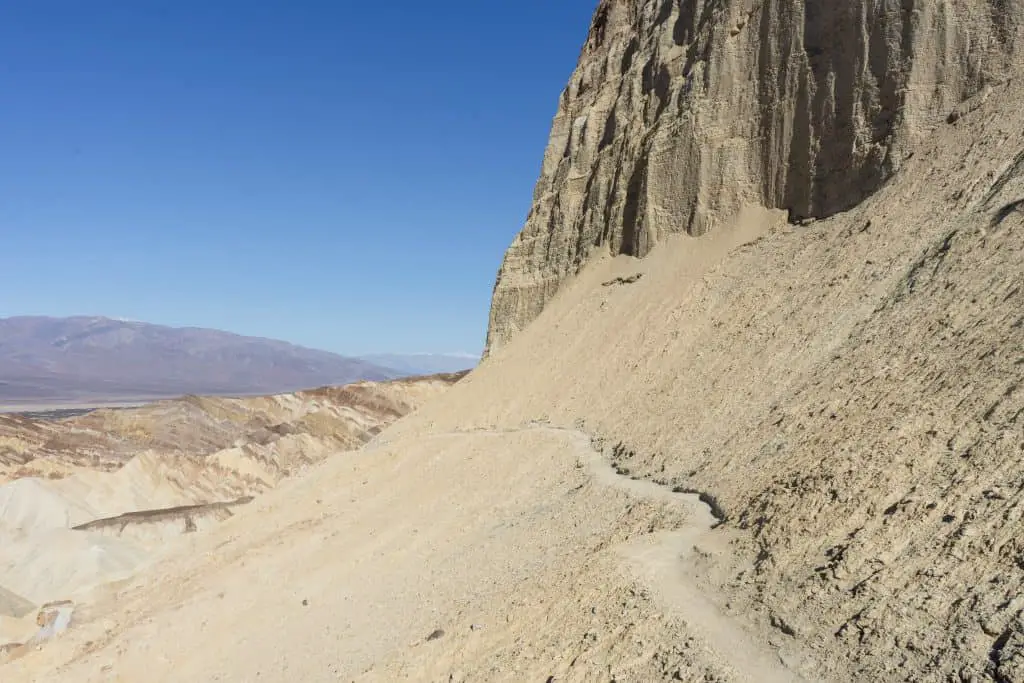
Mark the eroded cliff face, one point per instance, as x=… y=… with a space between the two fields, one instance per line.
x=682 y=111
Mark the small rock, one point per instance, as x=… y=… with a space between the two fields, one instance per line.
x=623 y=280
x=305 y=603
x=781 y=624
x=1008 y=655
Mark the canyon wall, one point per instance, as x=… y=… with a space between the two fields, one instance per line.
x=681 y=111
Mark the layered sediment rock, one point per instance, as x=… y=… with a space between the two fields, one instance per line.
x=681 y=111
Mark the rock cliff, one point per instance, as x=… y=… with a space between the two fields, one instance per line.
x=680 y=112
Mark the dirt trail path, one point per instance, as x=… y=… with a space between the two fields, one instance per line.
x=511 y=543
x=660 y=560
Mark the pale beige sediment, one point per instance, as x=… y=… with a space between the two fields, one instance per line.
x=114 y=488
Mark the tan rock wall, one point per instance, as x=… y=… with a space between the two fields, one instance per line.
x=681 y=111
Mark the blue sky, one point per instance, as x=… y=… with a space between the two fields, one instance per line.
x=342 y=175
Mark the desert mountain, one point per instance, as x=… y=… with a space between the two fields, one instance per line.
x=88 y=359
x=752 y=409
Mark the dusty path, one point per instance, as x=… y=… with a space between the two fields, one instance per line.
x=660 y=560
x=514 y=544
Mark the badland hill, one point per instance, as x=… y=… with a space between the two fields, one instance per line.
x=752 y=408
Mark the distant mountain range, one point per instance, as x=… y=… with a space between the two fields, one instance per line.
x=84 y=359
x=425 y=363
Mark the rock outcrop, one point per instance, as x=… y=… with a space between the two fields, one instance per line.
x=682 y=111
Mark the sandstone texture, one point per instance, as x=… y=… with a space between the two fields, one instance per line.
x=682 y=111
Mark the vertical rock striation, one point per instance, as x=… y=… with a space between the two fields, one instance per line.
x=681 y=111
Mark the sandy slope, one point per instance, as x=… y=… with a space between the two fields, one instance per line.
x=356 y=566
x=848 y=391
x=174 y=467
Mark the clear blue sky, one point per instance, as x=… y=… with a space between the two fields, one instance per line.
x=343 y=175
